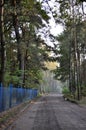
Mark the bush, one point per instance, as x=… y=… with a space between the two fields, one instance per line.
x=84 y=91
x=65 y=90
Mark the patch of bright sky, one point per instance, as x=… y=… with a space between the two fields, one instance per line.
x=53 y=28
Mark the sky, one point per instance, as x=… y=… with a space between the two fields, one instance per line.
x=54 y=28
x=53 y=6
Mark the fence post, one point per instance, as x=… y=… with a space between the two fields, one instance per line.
x=30 y=90
x=17 y=95
x=10 y=95
x=21 y=90
x=36 y=92
x=33 y=93
x=1 y=97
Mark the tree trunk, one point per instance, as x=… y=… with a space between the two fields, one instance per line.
x=70 y=69
x=20 y=55
x=2 y=43
x=77 y=65
x=76 y=57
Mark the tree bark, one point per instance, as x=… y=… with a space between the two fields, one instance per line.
x=2 y=43
x=20 y=55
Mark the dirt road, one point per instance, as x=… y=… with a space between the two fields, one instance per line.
x=51 y=112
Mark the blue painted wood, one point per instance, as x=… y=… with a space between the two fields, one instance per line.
x=10 y=95
x=1 y=93
x=2 y=107
x=30 y=90
x=21 y=94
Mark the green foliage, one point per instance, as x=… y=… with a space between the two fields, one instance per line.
x=84 y=91
x=11 y=79
x=62 y=72
x=65 y=91
x=41 y=11
x=24 y=53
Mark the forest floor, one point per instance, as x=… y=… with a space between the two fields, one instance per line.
x=51 y=112
x=83 y=101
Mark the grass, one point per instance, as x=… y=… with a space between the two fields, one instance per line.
x=83 y=101
x=71 y=99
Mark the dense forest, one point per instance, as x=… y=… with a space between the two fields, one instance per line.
x=23 y=50
x=71 y=47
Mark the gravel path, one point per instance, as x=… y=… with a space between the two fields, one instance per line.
x=51 y=112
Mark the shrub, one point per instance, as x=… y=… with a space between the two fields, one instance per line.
x=84 y=91
x=66 y=91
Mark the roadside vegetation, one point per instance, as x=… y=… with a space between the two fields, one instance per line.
x=70 y=52
x=72 y=97
x=23 y=50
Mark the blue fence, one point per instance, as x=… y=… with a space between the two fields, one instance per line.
x=11 y=96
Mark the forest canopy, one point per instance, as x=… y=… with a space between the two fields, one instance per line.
x=23 y=49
